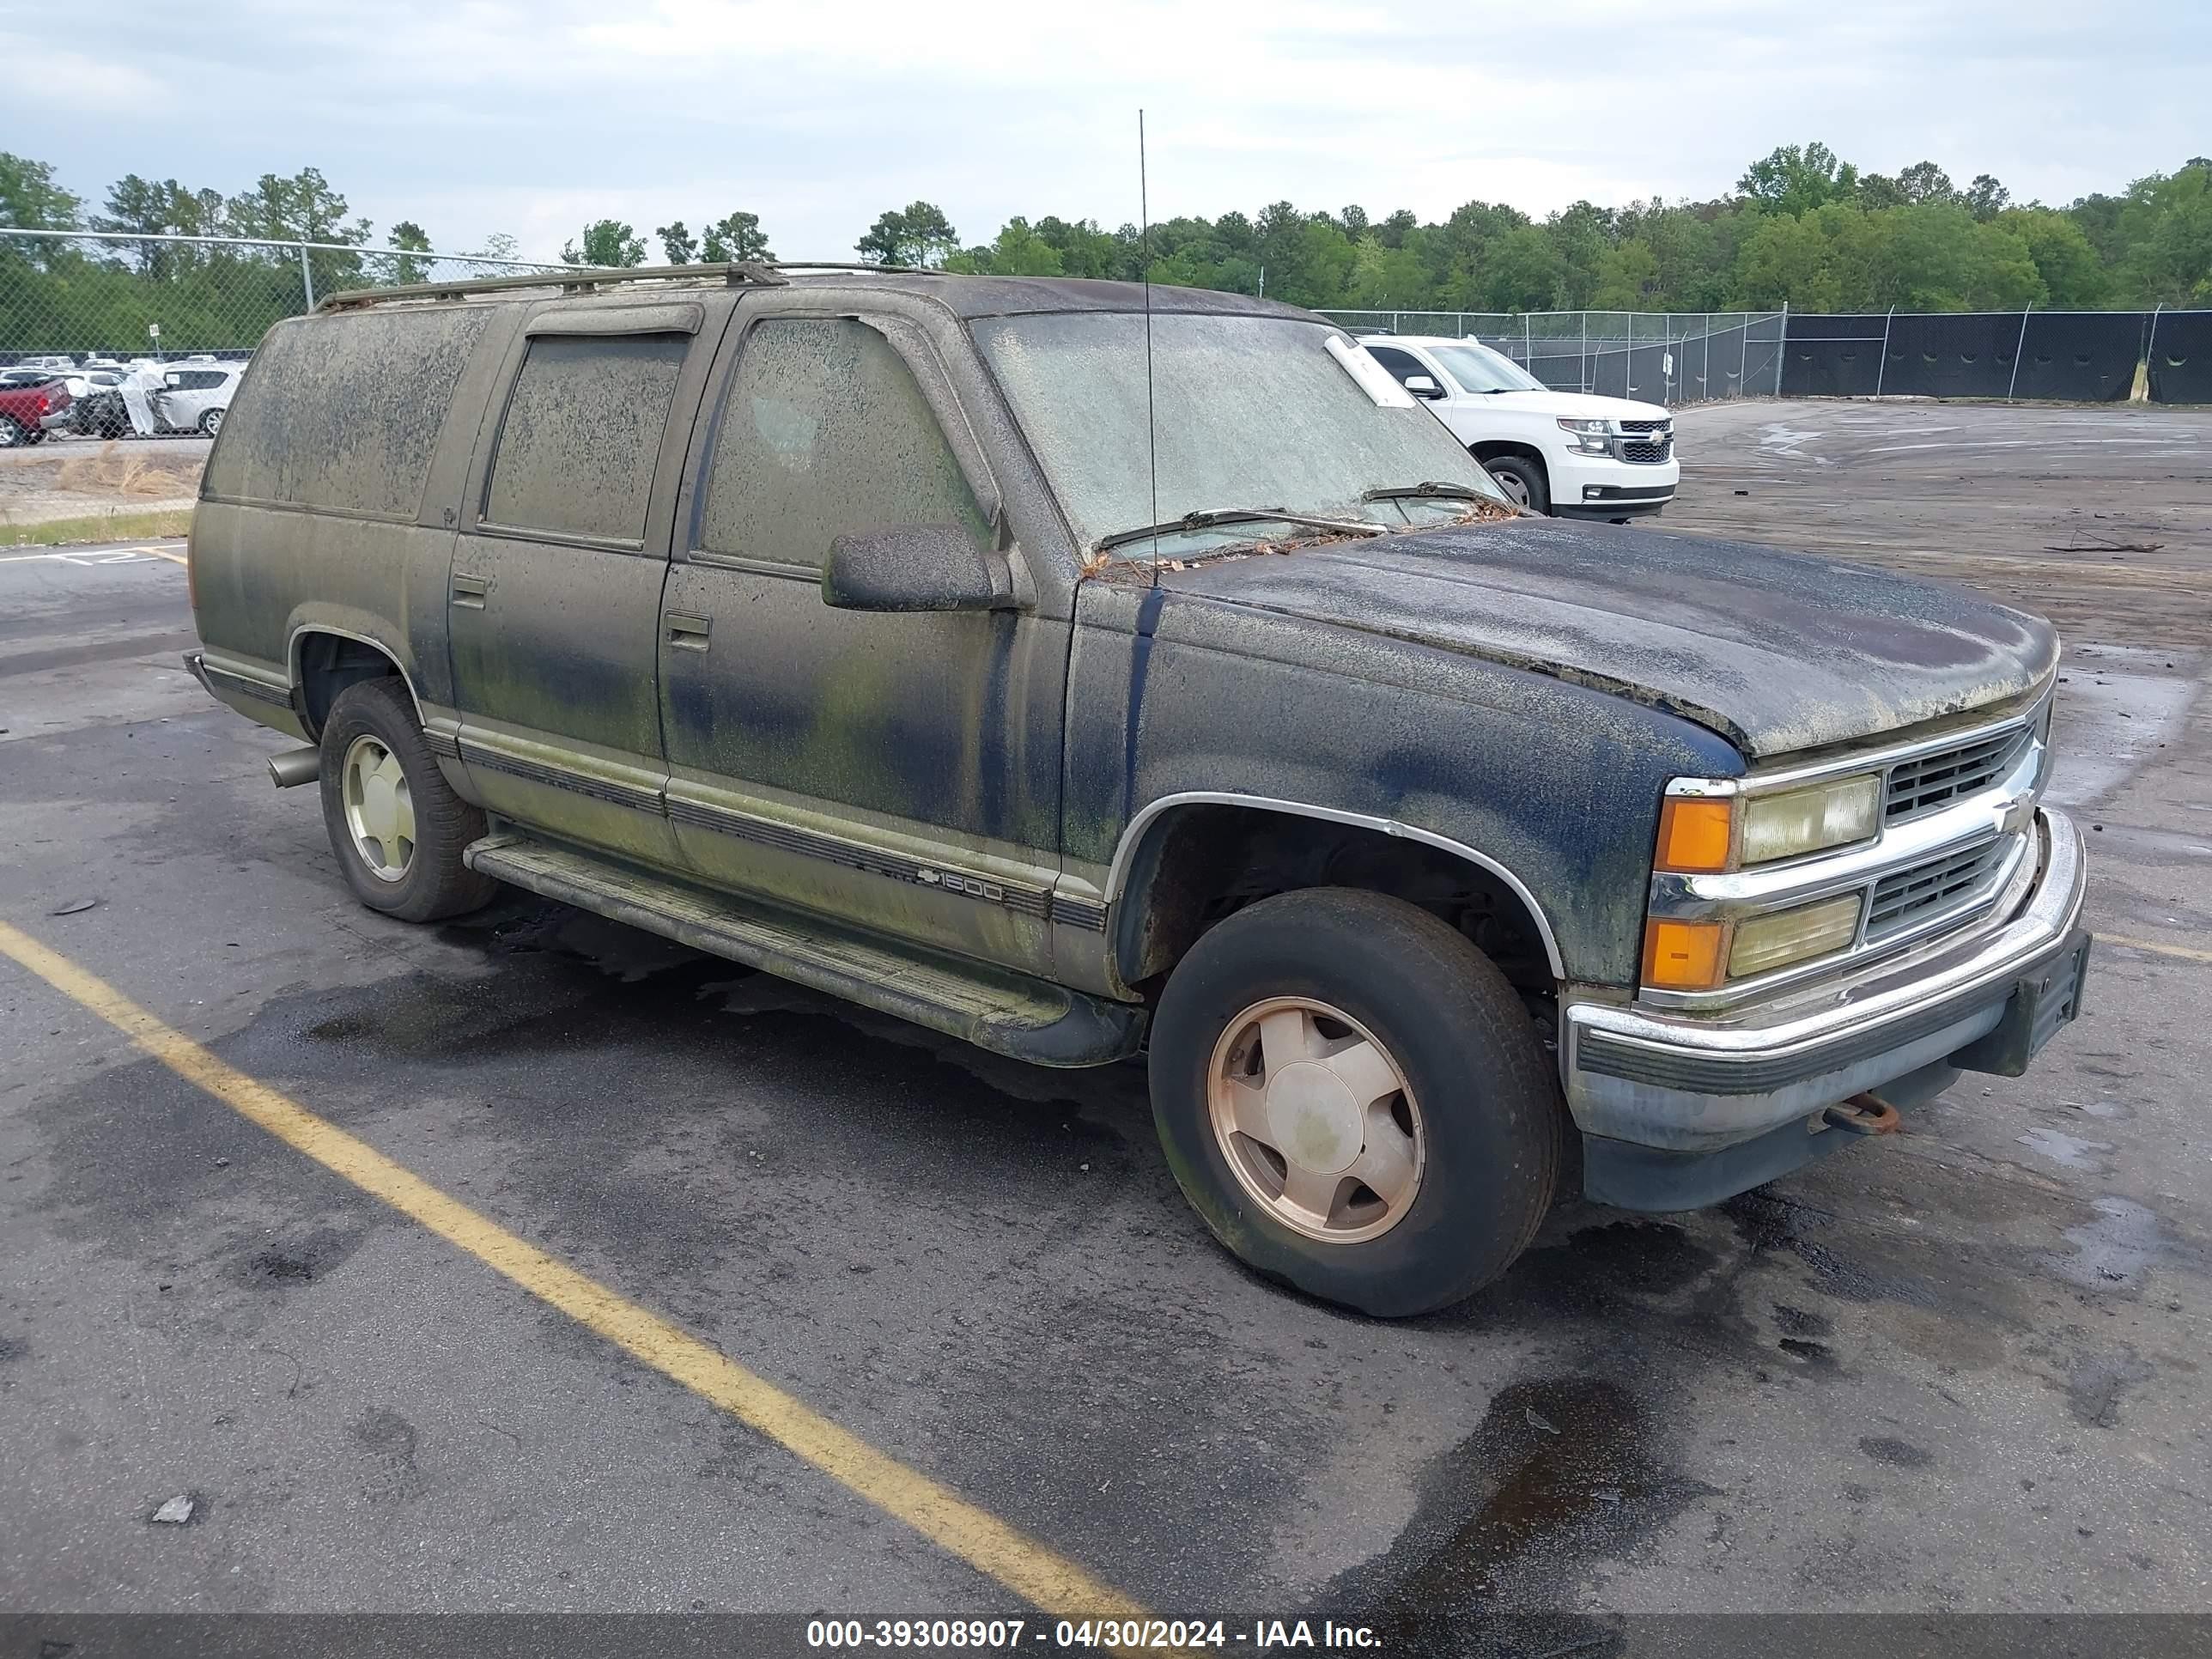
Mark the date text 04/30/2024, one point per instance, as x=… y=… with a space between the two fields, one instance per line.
x=1098 y=1635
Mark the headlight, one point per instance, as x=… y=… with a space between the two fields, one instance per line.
x=1835 y=813
x=1763 y=943
x=1590 y=437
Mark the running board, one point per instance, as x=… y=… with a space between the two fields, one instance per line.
x=1010 y=1014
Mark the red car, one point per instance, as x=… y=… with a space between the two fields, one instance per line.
x=26 y=412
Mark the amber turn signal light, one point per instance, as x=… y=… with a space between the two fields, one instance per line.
x=1695 y=834
x=1684 y=955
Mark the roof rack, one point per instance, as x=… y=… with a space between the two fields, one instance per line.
x=590 y=279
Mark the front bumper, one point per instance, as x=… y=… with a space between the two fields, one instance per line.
x=1683 y=1083
x=58 y=421
x=1599 y=487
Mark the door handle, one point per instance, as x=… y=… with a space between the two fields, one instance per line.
x=688 y=633
x=469 y=592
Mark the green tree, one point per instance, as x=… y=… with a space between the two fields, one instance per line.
x=734 y=237
x=1785 y=261
x=1796 y=179
x=1925 y=182
x=411 y=239
x=608 y=245
x=1519 y=271
x=678 y=246
x=1985 y=197
x=1627 y=277
x=2163 y=237
x=498 y=246
x=29 y=198
x=2064 y=257
x=917 y=235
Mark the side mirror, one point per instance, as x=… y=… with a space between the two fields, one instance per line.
x=1421 y=386
x=913 y=567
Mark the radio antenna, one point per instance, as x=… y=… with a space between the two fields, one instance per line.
x=1145 y=251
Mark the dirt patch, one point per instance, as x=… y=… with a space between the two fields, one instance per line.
x=74 y=479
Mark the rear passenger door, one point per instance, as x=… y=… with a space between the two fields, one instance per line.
x=553 y=598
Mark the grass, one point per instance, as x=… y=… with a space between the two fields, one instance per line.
x=97 y=527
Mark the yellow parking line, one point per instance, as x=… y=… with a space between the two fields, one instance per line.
x=1056 y=1586
x=2186 y=952
x=173 y=556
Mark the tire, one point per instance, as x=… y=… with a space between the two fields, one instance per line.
x=1473 y=1076
x=422 y=877
x=1522 y=480
x=212 y=423
x=12 y=436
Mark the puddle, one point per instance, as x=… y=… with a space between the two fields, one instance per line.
x=2070 y=1152
x=2117 y=705
x=2116 y=1250
x=1560 y=1471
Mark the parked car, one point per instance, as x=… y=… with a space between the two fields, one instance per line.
x=98 y=409
x=1569 y=453
x=53 y=360
x=843 y=626
x=195 y=395
x=28 y=413
x=10 y=377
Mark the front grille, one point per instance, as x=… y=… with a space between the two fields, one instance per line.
x=1931 y=780
x=1646 y=454
x=1646 y=426
x=1928 y=889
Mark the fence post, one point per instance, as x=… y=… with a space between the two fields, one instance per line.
x=2018 y=346
x=1882 y=363
x=306 y=276
x=2150 y=346
x=1582 y=353
x=1527 y=343
x=1743 y=357
x=1781 y=346
x=1628 y=363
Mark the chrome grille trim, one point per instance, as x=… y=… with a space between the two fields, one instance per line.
x=1930 y=780
x=1950 y=883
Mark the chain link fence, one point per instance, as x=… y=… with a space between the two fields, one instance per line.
x=1656 y=358
x=113 y=297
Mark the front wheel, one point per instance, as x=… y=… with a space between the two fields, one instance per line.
x=212 y=423
x=1354 y=1099
x=1522 y=480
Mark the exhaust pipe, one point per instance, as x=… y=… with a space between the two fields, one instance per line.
x=295 y=767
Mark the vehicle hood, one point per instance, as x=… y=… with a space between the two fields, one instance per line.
x=1573 y=405
x=1775 y=652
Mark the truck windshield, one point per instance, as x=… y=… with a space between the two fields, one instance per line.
x=1478 y=368
x=1249 y=411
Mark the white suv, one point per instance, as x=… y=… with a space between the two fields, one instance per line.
x=1569 y=453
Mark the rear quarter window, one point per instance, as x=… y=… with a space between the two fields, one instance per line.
x=342 y=413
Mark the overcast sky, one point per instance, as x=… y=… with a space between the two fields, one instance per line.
x=475 y=116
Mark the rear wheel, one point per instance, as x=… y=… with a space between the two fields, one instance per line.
x=1522 y=480
x=12 y=436
x=396 y=826
x=1353 y=1098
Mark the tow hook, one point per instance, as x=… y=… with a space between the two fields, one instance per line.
x=1864 y=1114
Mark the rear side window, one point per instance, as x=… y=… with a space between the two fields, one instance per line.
x=343 y=412
x=582 y=431
x=824 y=431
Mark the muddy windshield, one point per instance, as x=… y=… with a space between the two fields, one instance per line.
x=1251 y=412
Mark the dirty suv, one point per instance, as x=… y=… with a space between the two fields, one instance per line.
x=1086 y=683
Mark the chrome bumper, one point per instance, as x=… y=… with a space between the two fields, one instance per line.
x=1684 y=1082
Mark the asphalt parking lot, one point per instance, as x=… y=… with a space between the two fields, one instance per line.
x=1961 y=1370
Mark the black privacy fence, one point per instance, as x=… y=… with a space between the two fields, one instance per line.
x=1688 y=357
x=2072 y=356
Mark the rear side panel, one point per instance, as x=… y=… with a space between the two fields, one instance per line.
x=329 y=499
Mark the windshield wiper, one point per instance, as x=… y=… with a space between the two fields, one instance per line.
x=1211 y=517
x=1446 y=491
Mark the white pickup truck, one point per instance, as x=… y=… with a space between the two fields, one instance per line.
x=1569 y=453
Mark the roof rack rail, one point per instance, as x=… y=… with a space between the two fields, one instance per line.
x=588 y=279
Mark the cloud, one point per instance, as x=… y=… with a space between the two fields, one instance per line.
x=532 y=117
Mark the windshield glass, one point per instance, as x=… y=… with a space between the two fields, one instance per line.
x=1478 y=368
x=1250 y=412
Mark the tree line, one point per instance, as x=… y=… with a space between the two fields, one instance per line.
x=1801 y=227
